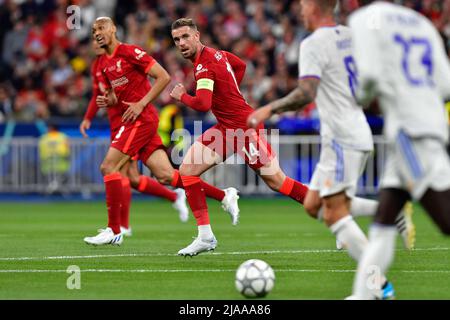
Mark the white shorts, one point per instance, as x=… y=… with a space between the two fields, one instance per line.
x=338 y=170
x=416 y=165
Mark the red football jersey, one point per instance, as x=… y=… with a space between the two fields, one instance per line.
x=228 y=104
x=125 y=71
x=99 y=88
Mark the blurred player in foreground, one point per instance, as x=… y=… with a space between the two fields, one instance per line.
x=124 y=70
x=327 y=75
x=218 y=75
x=401 y=60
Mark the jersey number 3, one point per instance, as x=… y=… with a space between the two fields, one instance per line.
x=408 y=45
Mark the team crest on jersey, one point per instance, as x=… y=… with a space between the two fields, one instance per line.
x=119 y=66
x=199 y=67
x=218 y=55
x=139 y=53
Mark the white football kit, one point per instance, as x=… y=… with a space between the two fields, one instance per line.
x=401 y=56
x=345 y=134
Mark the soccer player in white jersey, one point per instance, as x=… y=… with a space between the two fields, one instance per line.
x=401 y=60
x=328 y=76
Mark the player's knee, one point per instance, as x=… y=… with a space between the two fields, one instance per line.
x=273 y=185
x=134 y=180
x=164 y=176
x=106 y=168
x=273 y=182
x=311 y=208
x=165 y=179
x=188 y=170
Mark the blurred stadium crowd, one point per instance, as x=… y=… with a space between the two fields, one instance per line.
x=45 y=68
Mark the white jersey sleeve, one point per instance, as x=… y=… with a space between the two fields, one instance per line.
x=312 y=59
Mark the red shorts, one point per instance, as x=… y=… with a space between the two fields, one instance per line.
x=138 y=140
x=250 y=144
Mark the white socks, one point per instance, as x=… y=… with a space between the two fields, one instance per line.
x=205 y=232
x=350 y=235
x=361 y=207
x=375 y=261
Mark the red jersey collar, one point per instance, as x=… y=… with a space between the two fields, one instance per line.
x=198 y=57
x=114 y=52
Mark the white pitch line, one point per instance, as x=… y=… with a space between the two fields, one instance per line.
x=199 y=270
x=156 y=254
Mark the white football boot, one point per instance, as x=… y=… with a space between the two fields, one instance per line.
x=198 y=246
x=105 y=236
x=126 y=232
x=180 y=205
x=230 y=204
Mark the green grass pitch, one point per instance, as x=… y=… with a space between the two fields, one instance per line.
x=39 y=241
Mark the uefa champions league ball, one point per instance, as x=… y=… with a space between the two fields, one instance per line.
x=254 y=278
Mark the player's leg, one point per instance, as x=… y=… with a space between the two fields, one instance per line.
x=252 y=146
x=157 y=161
x=336 y=215
x=153 y=157
x=167 y=175
x=148 y=185
x=379 y=252
x=126 y=200
x=110 y=168
x=198 y=159
x=437 y=204
x=434 y=181
x=277 y=180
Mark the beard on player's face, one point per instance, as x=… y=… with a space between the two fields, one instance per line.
x=189 y=52
x=189 y=49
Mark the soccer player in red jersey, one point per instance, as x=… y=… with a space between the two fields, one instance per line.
x=124 y=70
x=130 y=173
x=218 y=75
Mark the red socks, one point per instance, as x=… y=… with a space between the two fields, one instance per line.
x=126 y=202
x=210 y=190
x=213 y=192
x=196 y=198
x=294 y=189
x=113 y=188
x=150 y=186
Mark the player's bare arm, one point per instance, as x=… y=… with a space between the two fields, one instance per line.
x=107 y=100
x=366 y=93
x=85 y=125
x=178 y=91
x=162 y=79
x=304 y=94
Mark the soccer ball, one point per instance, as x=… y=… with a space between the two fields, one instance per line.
x=254 y=278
